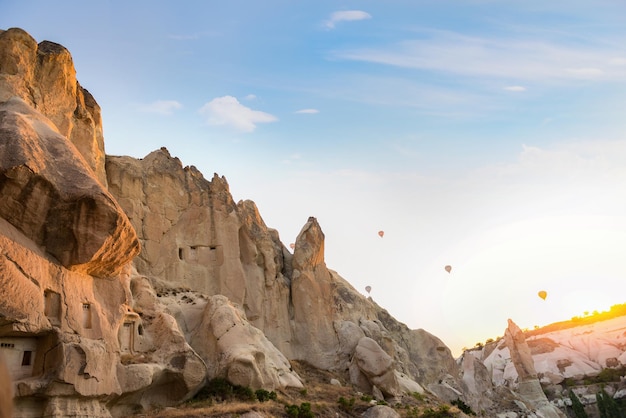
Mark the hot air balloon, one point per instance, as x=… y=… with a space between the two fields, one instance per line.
x=542 y=294
x=448 y=268
x=381 y=233
x=368 y=289
x=292 y=245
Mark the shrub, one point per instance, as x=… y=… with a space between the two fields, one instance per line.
x=244 y=393
x=465 y=408
x=221 y=390
x=577 y=406
x=292 y=410
x=442 y=411
x=302 y=411
x=366 y=398
x=263 y=396
x=345 y=404
x=418 y=396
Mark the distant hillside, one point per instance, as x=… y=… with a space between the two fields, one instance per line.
x=576 y=321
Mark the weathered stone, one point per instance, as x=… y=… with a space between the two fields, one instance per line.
x=6 y=390
x=44 y=77
x=238 y=351
x=529 y=387
x=377 y=366
x=66 y=211
x=380 y=411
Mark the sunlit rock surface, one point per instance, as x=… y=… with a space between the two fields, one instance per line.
x=43 y=75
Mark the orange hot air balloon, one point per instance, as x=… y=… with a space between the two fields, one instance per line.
x=448 y=268
x=381 y=233
x=292 y=245
x=368 y=289
x=542 y=294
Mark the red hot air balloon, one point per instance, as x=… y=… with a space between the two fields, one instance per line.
x=381 y=233
x=448 y=268
x=542 y=294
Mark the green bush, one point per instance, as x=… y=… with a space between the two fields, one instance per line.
x=244 y=393
x=221 y=390
x=346 y=404
x=465 y=408
x=607 y=406
x=263 y=396
x=418 y=396
x=443 y=411
x=302 y=411
x=610 y=375
x=292 y=410
x=577 y=406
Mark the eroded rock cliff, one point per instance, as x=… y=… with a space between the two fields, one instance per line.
x=126 y=285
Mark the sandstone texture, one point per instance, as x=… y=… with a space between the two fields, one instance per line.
x=197 y=239
x=127 y=284
x=66 y=211
x=43 y=76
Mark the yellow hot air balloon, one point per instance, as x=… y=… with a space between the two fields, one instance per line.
x=542 y=294
x=381 y=233
x=448 y=268
x=368 y=289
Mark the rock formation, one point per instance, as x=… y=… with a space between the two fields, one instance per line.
x=43 y=76
x=529 y=387
x=6 y=390
x=126 y=284
x=194 y=235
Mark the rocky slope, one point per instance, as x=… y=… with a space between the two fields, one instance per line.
x=127 y=284
x=581 y=355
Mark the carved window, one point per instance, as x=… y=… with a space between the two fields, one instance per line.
x=27 y=358
x=126 y=337
x=87 y=315
x=52 y=306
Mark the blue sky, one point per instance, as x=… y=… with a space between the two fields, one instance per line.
x=488 y=135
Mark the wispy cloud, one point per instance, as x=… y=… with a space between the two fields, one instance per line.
x=455 y=53
x=161 y=107
x=227 y=111
x=307 y=111
x=515 y=88
x=346 y=15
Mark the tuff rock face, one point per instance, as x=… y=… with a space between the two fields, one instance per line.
x=43 y=76
x=563 y=357
x=66 y=211
x=529 y=387
x=6 y=390
x=194 y=237
x=126 y=285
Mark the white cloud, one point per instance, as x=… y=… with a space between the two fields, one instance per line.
x=228 y=111
x=161 y=107
x=307 y=111
x=515 y=88
x=251 y=97
x=486 y=57
x=346 y=15
x=586 y=72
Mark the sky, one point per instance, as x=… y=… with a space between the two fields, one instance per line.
x=485 y=135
